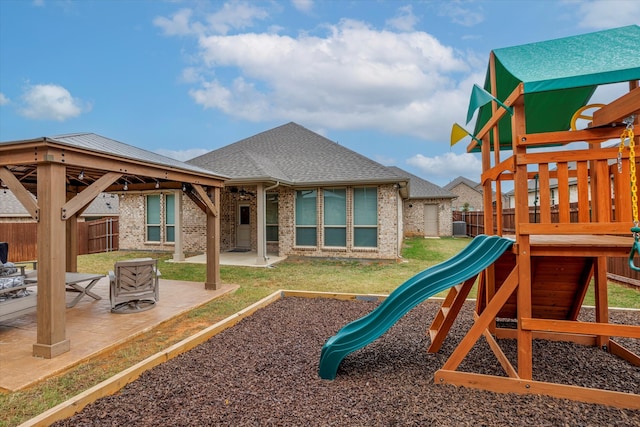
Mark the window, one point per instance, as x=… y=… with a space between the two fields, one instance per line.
x=153 y=218
x=272 y=217
x=170 y=218
x=365 y=217
x=161 y=218
x=335 y=217
x=306 y=230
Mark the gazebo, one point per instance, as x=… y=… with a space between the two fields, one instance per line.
x=65 y=174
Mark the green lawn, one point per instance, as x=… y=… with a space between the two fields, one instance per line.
x=255 y=283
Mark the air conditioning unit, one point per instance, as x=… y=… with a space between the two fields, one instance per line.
x=459 y=229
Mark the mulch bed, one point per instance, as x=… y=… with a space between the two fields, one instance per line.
x=263 y=371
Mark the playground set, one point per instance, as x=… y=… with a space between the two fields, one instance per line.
x=534 y=106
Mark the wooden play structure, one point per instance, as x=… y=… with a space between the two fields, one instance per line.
x=535 y=96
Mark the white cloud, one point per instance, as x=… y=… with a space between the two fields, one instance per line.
x=51 y=102
x=606 y=14
x=4 y=100
x=405 y=20
x=233 y=15
x=303 y=5
x=182 y=155
x=461 y=13
x=448 y=165
x=353 y=77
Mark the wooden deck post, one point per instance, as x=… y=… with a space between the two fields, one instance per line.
x=51 y=319
x=213 y=244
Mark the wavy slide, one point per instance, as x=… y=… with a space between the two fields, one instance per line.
x=476 y=256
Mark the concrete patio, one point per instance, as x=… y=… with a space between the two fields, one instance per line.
x=92 y=329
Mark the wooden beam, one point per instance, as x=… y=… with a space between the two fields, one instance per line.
x=584 y=328
x=483 y=321
x=569 y=156
x=618 y=110
x=497 y=351
x=619 y=228
x=86 y=196
x=511 y=385
x=624 y=353
x=500 y=112
x=205 y=199
x=213 y=245
x=21 y=193
x=568 y=136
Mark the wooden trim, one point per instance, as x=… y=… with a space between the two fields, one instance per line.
x=86 y=196
x=494 y=173
x=618 y=110
x=583 y=328
x=511 y=385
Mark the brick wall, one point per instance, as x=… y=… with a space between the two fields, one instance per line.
x=132 y=231
x=469 y=195
x=413 y=217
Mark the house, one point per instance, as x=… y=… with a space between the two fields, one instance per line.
x=468 y=192
x=427 y=210
x=294 y=192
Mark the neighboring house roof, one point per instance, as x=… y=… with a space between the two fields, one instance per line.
x=462 y=180
x=293 y=155
x=421 y=188
x=103 y=205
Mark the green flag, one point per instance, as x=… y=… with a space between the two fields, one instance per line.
x=480 y=97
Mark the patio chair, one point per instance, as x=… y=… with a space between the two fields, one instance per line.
x=133 y=286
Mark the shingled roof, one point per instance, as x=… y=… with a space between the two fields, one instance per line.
x=293 y=155
x=421 y=188
x=462 y=180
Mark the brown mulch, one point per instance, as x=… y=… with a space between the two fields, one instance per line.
x=263 y=371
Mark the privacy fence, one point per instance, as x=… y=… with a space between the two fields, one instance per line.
x=93 y=236
x=617 y=268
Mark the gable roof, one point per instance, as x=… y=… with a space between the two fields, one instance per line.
x=559 y=76
x=421 y=188
x=293 y=155
x=462 y=180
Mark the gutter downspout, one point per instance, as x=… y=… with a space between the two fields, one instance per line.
x=264 y=241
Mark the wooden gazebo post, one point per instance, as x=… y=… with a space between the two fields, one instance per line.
x=51 y=335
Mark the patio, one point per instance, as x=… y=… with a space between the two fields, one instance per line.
x=92 y=329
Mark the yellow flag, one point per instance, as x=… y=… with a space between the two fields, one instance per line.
x=457 y=133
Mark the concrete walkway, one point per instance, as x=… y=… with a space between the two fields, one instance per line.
x=243 y=259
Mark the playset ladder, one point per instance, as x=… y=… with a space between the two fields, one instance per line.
x=448 y=312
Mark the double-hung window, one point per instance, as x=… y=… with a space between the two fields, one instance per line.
x=365 y=217
x=335 y=217
x=160 y=218
x=272 y=217
x=306 y=224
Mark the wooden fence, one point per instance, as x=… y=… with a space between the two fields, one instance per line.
x=100 y=235
x=618 y=269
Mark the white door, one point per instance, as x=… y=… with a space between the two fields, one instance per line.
x=243 y=231
x=431 y=220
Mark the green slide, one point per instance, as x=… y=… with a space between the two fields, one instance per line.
x=476 y=256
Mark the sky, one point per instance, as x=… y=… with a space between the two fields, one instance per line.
x=386 y=79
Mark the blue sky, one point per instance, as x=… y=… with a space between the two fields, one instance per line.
x=384 y=78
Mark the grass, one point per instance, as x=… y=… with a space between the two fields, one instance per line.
x=255 y=283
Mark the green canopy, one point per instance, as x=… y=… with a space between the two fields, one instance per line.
x=560 y=76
